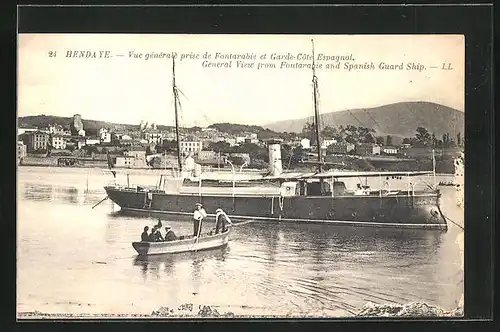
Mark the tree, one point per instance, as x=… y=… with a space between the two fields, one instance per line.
x=236 y=160
x=91 y=149
x=329 y=131
x=406 y=140
x=380 y=140
x=369 y=138
x=388 y=140
x=309 y=131
x=423 y=137
x=459 y=139
x=350 y=139
x=434 y=140
x=166 y=146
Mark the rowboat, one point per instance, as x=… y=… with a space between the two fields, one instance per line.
x=184 y=244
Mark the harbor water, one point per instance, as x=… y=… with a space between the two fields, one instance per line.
x=75 y=259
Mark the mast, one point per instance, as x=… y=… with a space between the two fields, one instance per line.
x=174 y=89
x=316 y=111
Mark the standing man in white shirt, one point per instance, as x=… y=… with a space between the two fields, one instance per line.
x=221 y=218
x=198 y=215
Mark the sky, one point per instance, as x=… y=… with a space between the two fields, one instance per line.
x=126 y=89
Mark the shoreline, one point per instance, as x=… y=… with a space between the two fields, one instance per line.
x=186 y=311
x=105 y=167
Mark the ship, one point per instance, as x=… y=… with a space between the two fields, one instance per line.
x=321 y=196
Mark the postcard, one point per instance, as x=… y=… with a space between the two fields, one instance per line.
x=229 y=176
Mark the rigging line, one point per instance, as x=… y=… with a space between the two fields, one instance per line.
x=179 y=102
x=321 y=121
x=453 y=222
x=361 y=123
x=197 y=109
x=376 y=123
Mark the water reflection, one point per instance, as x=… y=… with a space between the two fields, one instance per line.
x=166 y=264
x=281 y=268
x=57 y=193
x=37 y=192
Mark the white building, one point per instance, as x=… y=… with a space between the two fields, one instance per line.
x=21 y=150
x=231 y=141
x=367 y=149
x=240 y=139
x=252 y=140
x=191 y=147
x=92 y=141
x=125 y=137
x=21 y=131
x=125 y=161
x=105 y=135
x=207 y=155
x=138 y=154
x=390 y=150
x=327 y=142
x=81 y=132
x=59 y=130
x=81 y=142
x=153 y=136
x=305 y=143
x=58 y=142
x=106 y=138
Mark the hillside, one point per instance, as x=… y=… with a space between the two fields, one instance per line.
x=90 y=126
x=400 y=119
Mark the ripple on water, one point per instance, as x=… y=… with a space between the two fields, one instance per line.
x=70 y=254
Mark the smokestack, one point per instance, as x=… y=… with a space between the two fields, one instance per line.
x=275 y=167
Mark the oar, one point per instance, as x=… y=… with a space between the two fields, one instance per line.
x=242 y=223
x=198 y=234
x=102 y=200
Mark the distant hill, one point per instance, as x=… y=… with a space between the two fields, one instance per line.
x=399 y=119
x=91 y=126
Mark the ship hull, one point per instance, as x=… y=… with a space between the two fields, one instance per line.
x=400 y=210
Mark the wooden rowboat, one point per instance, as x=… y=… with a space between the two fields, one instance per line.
x=184 y=244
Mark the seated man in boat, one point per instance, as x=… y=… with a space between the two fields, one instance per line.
x=170 y=235
x=152 y=234
x=157 y=235
x=145 y=235
x=221 y=218
x=198 y=215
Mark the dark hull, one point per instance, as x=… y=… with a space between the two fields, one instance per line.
x=420 y=210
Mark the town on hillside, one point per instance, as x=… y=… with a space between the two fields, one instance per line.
x=219 y=146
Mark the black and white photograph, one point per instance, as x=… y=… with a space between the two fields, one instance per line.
x=240 y=176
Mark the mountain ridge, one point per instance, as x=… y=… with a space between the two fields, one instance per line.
x=397 y=119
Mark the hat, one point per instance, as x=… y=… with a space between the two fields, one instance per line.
x=218 y=210
x=198 y=204
x=167 y=227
